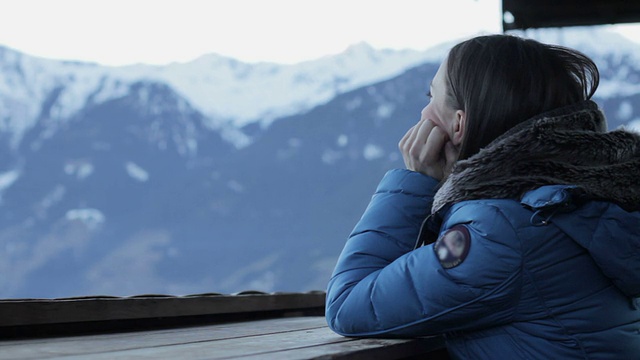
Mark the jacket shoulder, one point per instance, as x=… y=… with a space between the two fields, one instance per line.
x=495 y=245
x=495 y=218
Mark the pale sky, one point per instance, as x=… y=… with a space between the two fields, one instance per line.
x=121 y=32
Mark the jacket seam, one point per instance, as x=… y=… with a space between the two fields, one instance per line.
x=515 y=232
x=550 y=313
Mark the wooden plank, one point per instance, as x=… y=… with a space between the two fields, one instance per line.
x=229 y=348
x=363 y=349
x=79 y=345
x=43 y=311
x=294 y=344
x=233 y=329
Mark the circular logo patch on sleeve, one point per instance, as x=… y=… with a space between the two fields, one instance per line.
x=452 y=247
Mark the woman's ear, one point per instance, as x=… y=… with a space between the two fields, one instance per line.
x=459 y=127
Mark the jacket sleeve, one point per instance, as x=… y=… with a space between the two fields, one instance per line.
x=382 y=287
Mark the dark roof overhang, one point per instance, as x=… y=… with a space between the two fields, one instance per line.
x=526 y=14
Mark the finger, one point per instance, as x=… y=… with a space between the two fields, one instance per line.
x=423 y=131
x=408 y=138
x=420 y=141
x=433 y=149
x=405 y=147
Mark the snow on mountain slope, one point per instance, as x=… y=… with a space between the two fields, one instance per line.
x=232 y=94
x=223 y=89
x=612 y=52
x=28 y=83
x=244 y=93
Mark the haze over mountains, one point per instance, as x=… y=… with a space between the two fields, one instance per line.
x=214 y=175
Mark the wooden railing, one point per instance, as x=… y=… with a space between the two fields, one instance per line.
x=249 y=325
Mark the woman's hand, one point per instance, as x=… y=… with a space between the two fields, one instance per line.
x=426 y=149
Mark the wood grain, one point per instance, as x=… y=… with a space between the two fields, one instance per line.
x=290 y=338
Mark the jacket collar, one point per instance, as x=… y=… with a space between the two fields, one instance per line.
x=568 y=146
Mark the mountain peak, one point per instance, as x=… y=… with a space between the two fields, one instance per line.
x=359 y=47
x=594 y=40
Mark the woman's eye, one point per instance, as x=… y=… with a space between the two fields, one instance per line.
x=429 y=95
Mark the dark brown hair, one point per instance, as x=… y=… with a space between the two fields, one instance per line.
x=503 y=80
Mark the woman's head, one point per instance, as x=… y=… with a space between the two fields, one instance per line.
x=495 y=82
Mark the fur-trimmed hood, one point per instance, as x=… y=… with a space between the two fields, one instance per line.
x=569 y=146
x=547 y=162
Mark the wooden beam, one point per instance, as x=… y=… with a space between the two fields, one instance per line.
x=44 y=317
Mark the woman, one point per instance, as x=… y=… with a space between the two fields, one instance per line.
x=525 y=211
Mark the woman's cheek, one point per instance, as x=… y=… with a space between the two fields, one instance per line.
x=436 y=120
x=428 y=113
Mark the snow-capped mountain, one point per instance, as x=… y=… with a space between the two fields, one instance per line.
x=615 y=55
x=226 y=91
x=213 y=175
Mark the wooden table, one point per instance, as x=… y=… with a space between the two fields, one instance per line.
x=306 y=337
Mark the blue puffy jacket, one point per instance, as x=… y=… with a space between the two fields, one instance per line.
x=558 y=286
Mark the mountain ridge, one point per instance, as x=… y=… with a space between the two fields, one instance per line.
x=230 y=94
